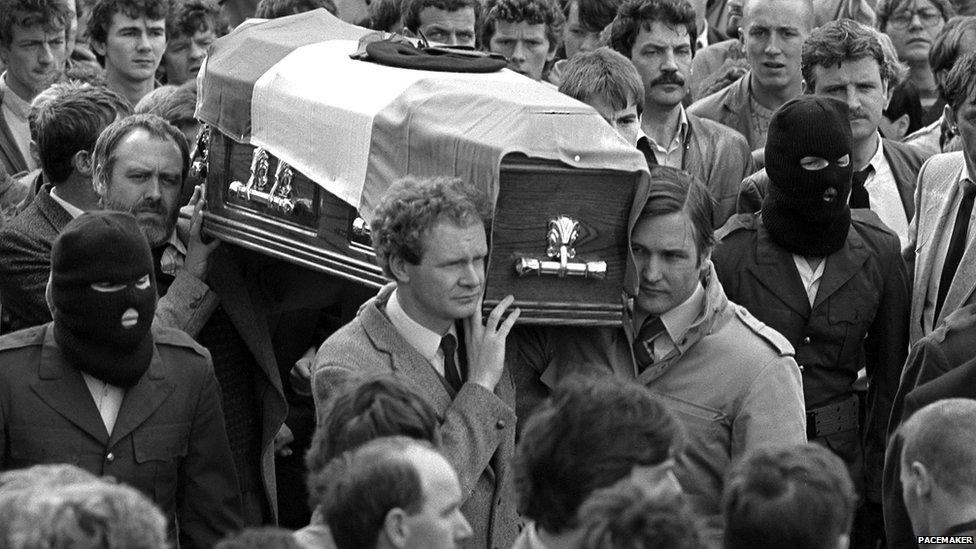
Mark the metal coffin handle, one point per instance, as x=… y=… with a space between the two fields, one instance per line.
x=562 y=235
x=278 y=197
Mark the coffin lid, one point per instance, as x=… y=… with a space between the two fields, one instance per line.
x=353 y=127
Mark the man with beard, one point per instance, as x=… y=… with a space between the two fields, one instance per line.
x=32 y=35
x=102 y=388
x=658 y=36
x=140 y=164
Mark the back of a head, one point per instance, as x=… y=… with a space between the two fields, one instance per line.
x=603 y=73
x=70 y=121
x=589 y=434
x=788 y=497
x=175 y=104
x=266 y=537
x=373 y=409
x=273 y=9
x=353 y=507
x=92 y=515
x=53 y=476
x=941 y=437
x=905 y=100
x=949 y=44
x=626 y=516
x=960 y=84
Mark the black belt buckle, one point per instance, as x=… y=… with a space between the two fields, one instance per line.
x=832 y=418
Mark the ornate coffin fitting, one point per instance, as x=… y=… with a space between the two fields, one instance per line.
x=563 y=232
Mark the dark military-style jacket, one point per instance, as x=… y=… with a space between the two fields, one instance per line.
x=859 y=319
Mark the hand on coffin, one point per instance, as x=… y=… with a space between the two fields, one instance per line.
x=301 y=373
x=282 y=440
x=198 y=252
x=486 y=343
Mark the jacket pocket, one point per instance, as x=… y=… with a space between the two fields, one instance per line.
x=159 y=451
x=31 y=445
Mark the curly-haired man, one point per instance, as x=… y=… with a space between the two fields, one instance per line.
x=526 y=32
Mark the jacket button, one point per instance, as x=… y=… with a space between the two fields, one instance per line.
x=500 y=424
x=110 y=457
x=806 y=340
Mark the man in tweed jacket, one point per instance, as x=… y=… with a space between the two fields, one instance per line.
x=425 y=330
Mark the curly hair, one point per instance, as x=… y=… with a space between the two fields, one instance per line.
x=603 y=73
x=839 y=41
x=103 y=10
x=533 y=12
x=634 y=15
x=788 y=496
x=625 y=516
x=412 y=207
x=410 y=9
x=273 y=9
x=191 y=16
x=52 y=15
x=960 y=85
x=589 y=434
x=381 y=407
x=887 y=8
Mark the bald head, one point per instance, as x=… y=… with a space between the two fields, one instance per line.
x=941 y=437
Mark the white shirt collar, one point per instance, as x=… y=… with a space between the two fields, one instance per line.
x=878 y=154
x=73 y=211
x=427 y=342
x=677 y=321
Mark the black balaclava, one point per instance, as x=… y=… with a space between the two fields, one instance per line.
x=806 y=211
x=104 y=333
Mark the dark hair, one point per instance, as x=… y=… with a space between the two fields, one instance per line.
x=188 y=17
x=410 y=10
x=381 y=407
x=104 y=159
x=70 y=122
x=603 y=73
x=594 y=15
x=103 y=10
x=366 y=484
x=174 y=104
x=797 y=496
x=945 y=48
x=52 y=15
x=887 y=8
x=904 y=100
x=533 y=12
x=409 y=210
x=625 y=516
x=264 y=537
x=384 y=14
x=273 y=9
x=589 y=434
x=839 y=41
x=634 y=15
x=674 y=191
x=960 y=85
x=941 y=437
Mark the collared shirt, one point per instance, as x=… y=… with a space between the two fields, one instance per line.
x=677 y=321
x=808 y=276
x=15 y=111
x=883 y=194
x=938 y=263
x=528 y=538
x=673 y=154
x=760 y=119
x=73 y=211
x=108 y=399
x=173 y=256
x=425 y=341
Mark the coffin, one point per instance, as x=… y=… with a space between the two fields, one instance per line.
x=301 y=141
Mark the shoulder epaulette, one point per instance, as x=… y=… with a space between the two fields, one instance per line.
x=738 y=222
x=23 y=338
x=767 y=333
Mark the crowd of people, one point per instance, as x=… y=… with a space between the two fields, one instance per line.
x=795 y=366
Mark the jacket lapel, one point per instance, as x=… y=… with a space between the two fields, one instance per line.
x=53 y=212
x=774 y=268
x=62 y=388
x=939 y=224
x=142 y=400
x=841 y=266
x=903 y=176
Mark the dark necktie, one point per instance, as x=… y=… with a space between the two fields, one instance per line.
x=957 y=243
x=451 y=372
x=652 y=327
x=644 y=146
x=859 y=194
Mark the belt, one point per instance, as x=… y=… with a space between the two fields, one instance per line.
x=832 y=418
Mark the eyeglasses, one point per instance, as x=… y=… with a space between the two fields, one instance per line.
x=903 y=19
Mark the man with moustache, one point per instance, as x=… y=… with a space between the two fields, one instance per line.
x=773 y=32
x=844 y=60
x=658 y=36
x=140 y=164
x=103 y=388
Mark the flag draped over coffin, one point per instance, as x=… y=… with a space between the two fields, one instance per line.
x=288 y=85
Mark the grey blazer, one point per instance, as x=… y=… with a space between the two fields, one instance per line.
x=477 y=427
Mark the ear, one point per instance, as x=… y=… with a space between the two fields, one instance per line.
x=804 y=87
x=901 y=125
x=47 y=295
x=81 y=161
x=398 y=268
x=950 y=116
x=34 y=152
x=889 y=90
x=843 y=541
x=704 y=258
x=99 y=47
x=395 y=527
x=923 y=480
